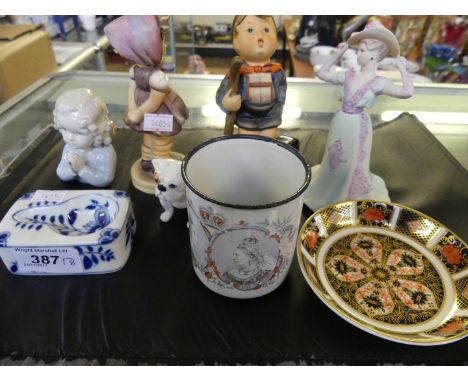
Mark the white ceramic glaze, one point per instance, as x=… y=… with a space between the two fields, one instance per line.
x=169 y=187
x=319 y=55
x=244 y=200
x=349 y=60
x=390 y=63
x=97 y=225
x=390 y=74
x=88 y=155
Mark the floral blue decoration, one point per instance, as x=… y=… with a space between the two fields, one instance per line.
x=107 y=255
x=27 y=196
x=92 y=255
x=102 y=217
x=65 y=223
x=121 y=194
x=14 y=267
x=130 y=231
x=71 y=217
x=3 y=238
x=108 y=236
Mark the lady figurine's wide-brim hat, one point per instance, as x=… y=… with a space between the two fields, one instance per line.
x=377 y=31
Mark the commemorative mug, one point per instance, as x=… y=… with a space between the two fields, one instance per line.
x=244 y=201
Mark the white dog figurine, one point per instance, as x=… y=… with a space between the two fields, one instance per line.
x=170 y=188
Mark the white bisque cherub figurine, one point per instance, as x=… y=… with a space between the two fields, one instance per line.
x=88 y=155
x=344 y=171
x=170 y=187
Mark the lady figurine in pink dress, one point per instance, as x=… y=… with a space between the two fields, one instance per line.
x=153 y=108
x=344 y=171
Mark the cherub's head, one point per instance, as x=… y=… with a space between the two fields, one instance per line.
x=82 y=118
x=254 y=37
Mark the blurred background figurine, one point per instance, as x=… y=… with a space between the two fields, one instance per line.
x=88 y=155
x=196 y=65
x=254 y=91
x=344 y=171
x=153 y=108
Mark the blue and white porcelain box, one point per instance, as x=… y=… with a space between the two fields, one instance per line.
x=68 y=232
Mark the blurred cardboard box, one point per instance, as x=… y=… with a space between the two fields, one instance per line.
x=26 y=55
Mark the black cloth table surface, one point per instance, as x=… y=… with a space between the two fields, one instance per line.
x=156 y=311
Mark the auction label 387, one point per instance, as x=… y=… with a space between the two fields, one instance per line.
x=58 y=260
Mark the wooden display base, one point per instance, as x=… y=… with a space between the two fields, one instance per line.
x=143 y=180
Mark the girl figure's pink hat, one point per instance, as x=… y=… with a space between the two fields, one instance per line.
x=377 y=31
x=137 y=38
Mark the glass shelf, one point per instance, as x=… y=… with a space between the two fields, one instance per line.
x=309 y=104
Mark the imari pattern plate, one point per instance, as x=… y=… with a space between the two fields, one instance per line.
x=389 y=270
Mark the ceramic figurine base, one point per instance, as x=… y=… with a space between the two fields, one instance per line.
x=144 y=181
x=67 y=232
